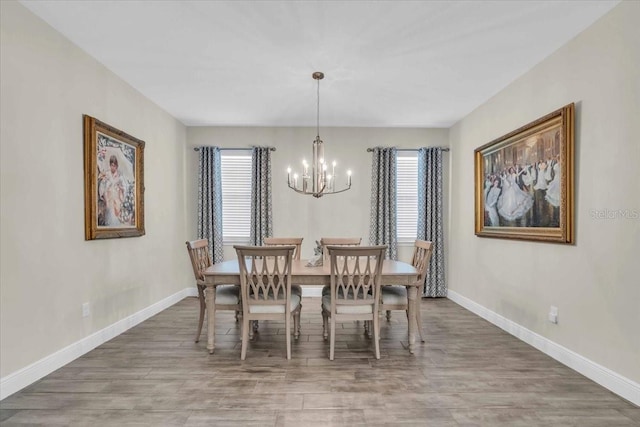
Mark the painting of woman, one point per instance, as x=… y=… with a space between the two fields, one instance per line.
x=115 y=184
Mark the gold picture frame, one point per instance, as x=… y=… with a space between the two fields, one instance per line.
x=113 y=182
x=524 y=181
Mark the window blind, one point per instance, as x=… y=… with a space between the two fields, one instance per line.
x=407 y=196
x=236 y=196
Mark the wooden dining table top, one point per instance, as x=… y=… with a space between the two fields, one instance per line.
x=393 y=273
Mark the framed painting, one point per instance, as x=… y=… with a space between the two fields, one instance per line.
x=524 y=181
x=113 y=182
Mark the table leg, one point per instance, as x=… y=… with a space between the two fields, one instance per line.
x=210 y=298
x=412 y=294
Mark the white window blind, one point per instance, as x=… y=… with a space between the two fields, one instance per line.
x=236 y=196
x=407 y=196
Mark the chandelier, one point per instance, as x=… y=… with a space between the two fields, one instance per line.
x=316 y=180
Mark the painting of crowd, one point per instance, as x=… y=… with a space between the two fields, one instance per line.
x=522 y=186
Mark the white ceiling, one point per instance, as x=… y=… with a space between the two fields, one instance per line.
x=387 y=64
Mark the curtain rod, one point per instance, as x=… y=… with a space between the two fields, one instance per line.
x=236 y=149
x=412 y=149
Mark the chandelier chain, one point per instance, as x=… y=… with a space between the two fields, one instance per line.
x=318 y=111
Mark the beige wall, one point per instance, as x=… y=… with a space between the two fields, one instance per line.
x=594 y=283
x=47 y=268
x=344 y=214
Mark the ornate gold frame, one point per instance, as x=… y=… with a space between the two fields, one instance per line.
x=491 y=161
x=119 y=214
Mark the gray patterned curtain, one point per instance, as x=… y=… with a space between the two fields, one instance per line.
x=261 y=217
x=430 y=224
x=210 y=201
x=383 y=228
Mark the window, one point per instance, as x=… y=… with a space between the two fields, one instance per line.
x=236 y=195
x=407 y=196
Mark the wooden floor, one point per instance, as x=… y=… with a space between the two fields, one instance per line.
x=468 y=373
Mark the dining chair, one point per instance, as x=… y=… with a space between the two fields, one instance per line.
x=355 y=290
x=396 y=298
x=227 y=296
x=265 y=282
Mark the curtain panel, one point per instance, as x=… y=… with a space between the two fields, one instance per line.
x=261 y=207
x=383 y=228
x=430 y=213
x=210 y=200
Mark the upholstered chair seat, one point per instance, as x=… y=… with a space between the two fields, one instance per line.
x=394 y=295
x=346 y=309
x=276 y=308
x=228 y=294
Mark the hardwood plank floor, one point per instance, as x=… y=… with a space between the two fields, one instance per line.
x=468 y=373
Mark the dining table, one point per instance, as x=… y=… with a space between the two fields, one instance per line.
x=393 y=273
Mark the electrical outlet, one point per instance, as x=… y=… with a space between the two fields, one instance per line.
x=553 y=314
x=86 y=309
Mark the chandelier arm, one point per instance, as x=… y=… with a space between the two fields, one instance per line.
x=340 y=191
x=317 y=193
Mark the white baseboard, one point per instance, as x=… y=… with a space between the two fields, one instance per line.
x=616 y=383
x=18 y=380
